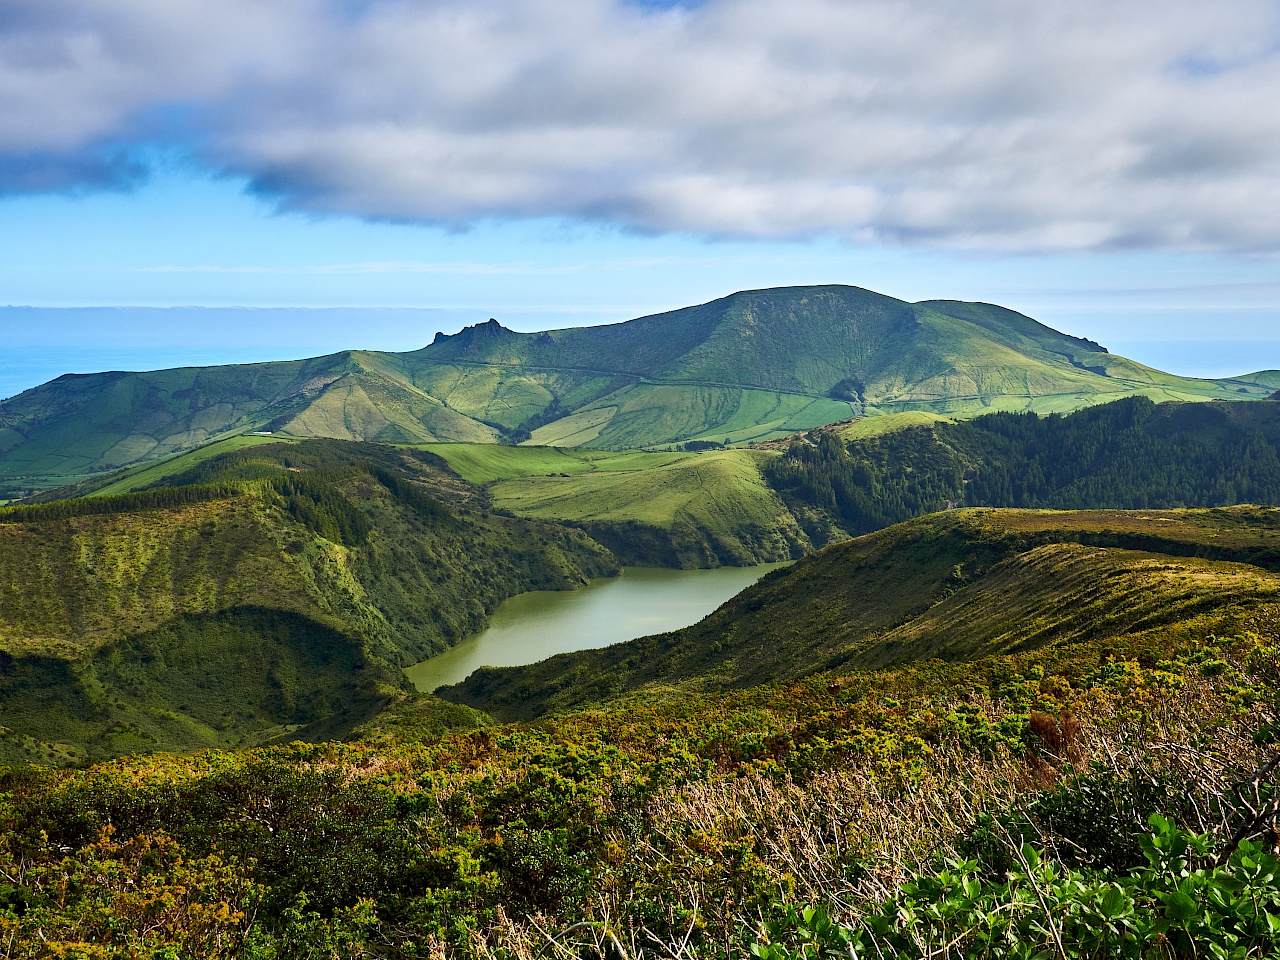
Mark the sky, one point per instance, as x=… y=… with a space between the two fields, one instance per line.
x=327 y=174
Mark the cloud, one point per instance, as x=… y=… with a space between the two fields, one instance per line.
x=96 y=167
x=991 y=124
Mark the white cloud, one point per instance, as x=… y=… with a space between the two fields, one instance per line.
x=986 y=123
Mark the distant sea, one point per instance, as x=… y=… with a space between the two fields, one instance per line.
x=38 y=344
x=1202 y=358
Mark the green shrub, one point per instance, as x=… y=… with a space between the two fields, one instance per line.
x=1169 y=907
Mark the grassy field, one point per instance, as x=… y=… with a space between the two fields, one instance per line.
x=700 y=509
x=648 y=413
x=707 y=509
x=865 y=427
x=485 y=463
x=649 y=488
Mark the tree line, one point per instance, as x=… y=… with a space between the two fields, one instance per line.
x=1130 y=454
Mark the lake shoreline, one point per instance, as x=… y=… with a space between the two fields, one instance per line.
x=539 y=624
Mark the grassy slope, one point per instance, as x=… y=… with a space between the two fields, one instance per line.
x=712 y=508
x=752 y=366
x=141 y=477
x=959 y=585
x=226 y=621
x=484 y=463
x=79 y=424
x=866 y=427
x=663 y=509
x=646 y=414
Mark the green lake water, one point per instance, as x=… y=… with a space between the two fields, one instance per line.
x=533 y=626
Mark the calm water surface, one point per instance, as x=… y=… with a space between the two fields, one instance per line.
x=533 y=626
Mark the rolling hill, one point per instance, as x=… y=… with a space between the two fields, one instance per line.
x=266 y=592
x=752 y=366
x=782 y=499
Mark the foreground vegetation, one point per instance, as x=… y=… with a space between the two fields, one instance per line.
x=978 y=733
x=980 y=809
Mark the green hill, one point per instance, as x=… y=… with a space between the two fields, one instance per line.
x=752 y=366
x=266 y=592
x=957 y=586
x=704 y=509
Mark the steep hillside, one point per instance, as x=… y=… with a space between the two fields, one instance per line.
x=704 y=509
x=1127 y=454
x=956 y=586
x=269 y=591
x=751 y=366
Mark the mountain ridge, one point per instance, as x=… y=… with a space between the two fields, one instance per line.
x=752 y=366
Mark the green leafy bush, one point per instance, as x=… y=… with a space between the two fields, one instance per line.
x=1169 y=907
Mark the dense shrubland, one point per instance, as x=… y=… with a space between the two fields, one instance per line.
x=1130 y=454
x=273 y=592
x=697 y=827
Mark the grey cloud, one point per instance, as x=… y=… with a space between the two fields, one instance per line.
x=986 y=124
x=94 y=168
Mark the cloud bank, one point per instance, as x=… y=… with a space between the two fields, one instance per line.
x=988 y=124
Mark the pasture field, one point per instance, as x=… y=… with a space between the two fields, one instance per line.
x=482 y=463
x=721 y=487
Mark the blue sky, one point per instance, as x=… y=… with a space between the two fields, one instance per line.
x=1111 y=172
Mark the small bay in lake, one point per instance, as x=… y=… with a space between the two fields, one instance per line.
x=533 y=626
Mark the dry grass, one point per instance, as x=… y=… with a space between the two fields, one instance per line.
x=807 y=835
